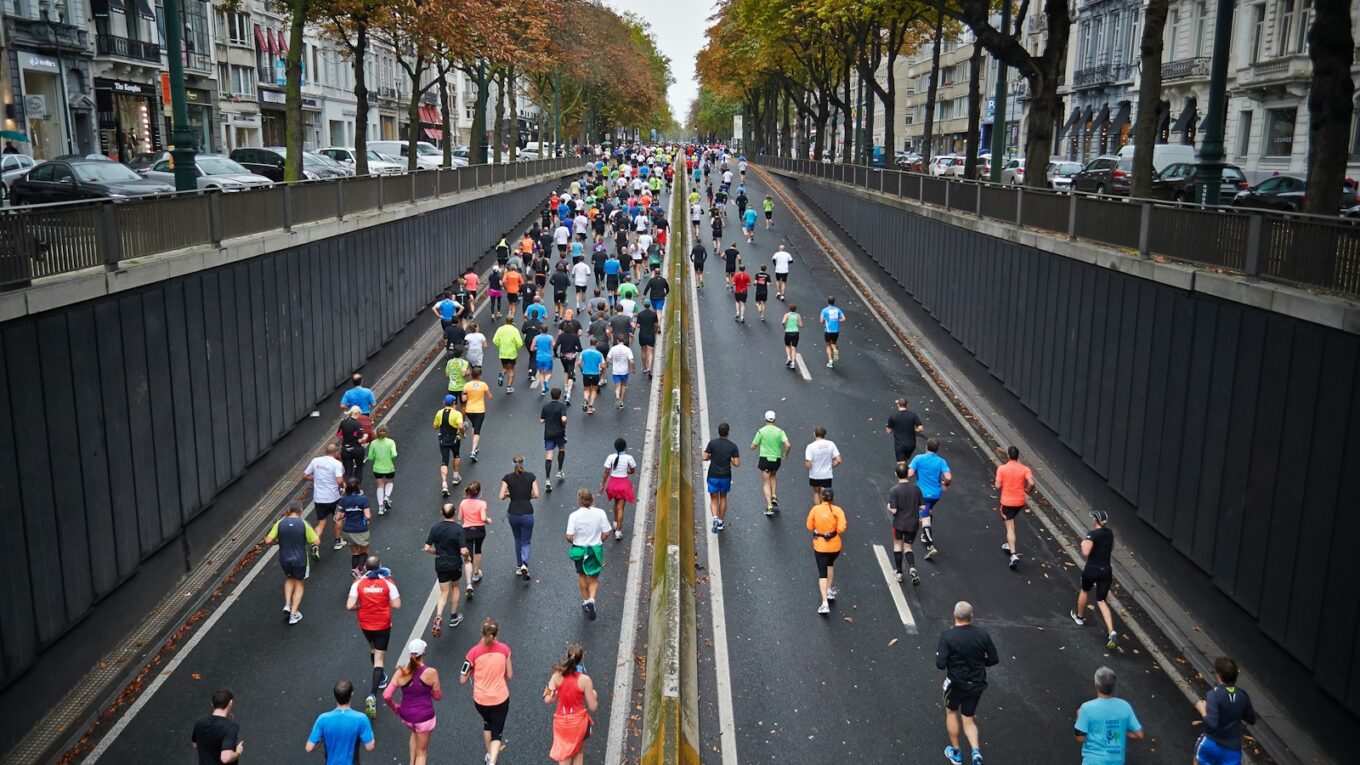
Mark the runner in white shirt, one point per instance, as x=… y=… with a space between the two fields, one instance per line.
x=781 y=259
x=586 y=527
x=696 y=215
x=616 y=483
x=620 y=359
x=820 y=457
x=327 y=475
x=727 y=177
x=561 y=236
x=628 y=306
x=582 y=224
x=580 y=277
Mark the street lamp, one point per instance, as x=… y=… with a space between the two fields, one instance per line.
x=61 y=76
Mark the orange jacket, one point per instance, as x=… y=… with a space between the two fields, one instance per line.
x=823 y=520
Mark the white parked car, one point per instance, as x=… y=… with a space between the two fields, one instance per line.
x=428 y=156
x=215 y=172
x=15 y=165
x=1013 y=172
x=947 y=165
x=378 y=163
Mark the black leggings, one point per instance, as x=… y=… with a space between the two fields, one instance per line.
x=493 y=717
x=495 y=303
x=352 y=457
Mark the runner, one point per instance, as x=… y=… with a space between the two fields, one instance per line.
x=731 y=259
x=503 y=248
x=820 y=458
x=456 y=370
x=472 y=512
x=567 y=349
x=446 y=309
x=826 y=521
x=1224 y=710
x=374 y=596
x=781 y=258
x=762 y=282
x=476 y=345
x=353 y=434
x=772 y=446
x=592 y=364
x=1106 y=724
x=358 y=395
x=521 y=488
x=793 y=325
x=534 y=309
x=328 y=480
x=475 y=395
x=495 y=289
x=561 y=281
x=742 y=201
x=419 y=686
x=216 y=736
x=586 y=527
x=715 y=224
x=964 y=652
x=508 y=341
x=576 y=698
x=542 y=345
x=741 y=283
x=696 y=214
x=553 y=418
x=489 y=668
x=905 y=427
x=1097 y=548
x=616 y=484
x=646 y=321
x=355 y=513
x=513 y=281
x=620 y=366
x=613 y=271
x=580 y=279
x=340 y=731
x=470 y=283
x=1014 y=480
x=445 y=541
x=748 y=224
x=831 y=319
x=768 y=205
x=905 y=505
x=697 y=256
x=295 y=537
x=721 y=455
x=933 y=477
x=657 y=289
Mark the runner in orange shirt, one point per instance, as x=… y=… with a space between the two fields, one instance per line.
x=1014 y=479
x=826 y=521
x=512 y=280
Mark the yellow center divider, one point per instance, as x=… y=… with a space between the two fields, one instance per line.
x=670 y=731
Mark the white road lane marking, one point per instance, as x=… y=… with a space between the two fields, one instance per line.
x=802 y=368
x=895 y=588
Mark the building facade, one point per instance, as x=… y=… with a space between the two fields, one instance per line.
x=49 y=86
x=1100 y=94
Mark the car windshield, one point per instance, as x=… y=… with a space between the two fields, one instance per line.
x=309 y=158
x=374 y=156
x=146 y=159
x=1069 y=168
x=220 y=166
x=426 y=150
x=104 y=172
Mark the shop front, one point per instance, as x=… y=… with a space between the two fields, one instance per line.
x=200 y=108
x=129 y=118
x=56 y=115
x=274 y=123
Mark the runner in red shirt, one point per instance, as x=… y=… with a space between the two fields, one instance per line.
x=374 y=595
x=1013 y=479
x=741 y=282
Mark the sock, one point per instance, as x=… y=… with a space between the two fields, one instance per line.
x=911 y=560
x=388 y=495
x=897 y=560
x=927 y=538
x=381 y=491
x=377 y=679
x=561 y=458
x=547 y=468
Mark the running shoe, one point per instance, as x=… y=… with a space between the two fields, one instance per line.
x=566 y=400
x=618 y=535
x=476 y=576
x=585 y=407
x=1006 y=547
x=469 y=593
x=931 y=552
x=1080 y=622
x=590 y=610
x=561 y=475
x=836 y=354
x=510 y=390
x=831 y=593
x=314 y=551
x=445 y=491
x=457 y=479
x=287 y=609
x=899 y=576
x=339 y=545
x=387 y=503
x=1110 y=643
x=371 y=707
x=382 y=684
x=524 y=573
x=473 y=456
x=1014 y=562
x=769 y=511
x=295 y=618
x=620 y=406
x=829 y=365
x=456 y=619
x=715 y=531
x=437 y=627
x=774 y=502
x=977 y=757
x=721 y=524
x=543 y=389
x=500 y=380
x=953 y=754
x=915 y=578
x=548 y=485
x=824 y=608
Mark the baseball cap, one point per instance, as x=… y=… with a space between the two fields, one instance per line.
x=769 y=415
x=416 y=648
x=449 y=399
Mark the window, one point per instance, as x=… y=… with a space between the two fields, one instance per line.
x=1201 y=22
x=224 y=78
x=1284 y=33
x=243 y=81
x=1115 y=32
x=1244 y=133
x=264 y=63
x=233 y=27
x=1174 y=24
x=1258 y=32
x=1280 y=132
x=1302 y=20
x=1135 y=44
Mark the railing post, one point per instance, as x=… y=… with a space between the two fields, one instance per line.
x=439 y=182
x=215 y=217
x=1072 y=216
x=1019 y=205
x=476 y=176
x=339 y=199
x=412 y=177
x=380 y=184
x=1252 y=263
x=947 y=184
x=287 y=207
x=110 y=243
x=1144 y=229
x=978 y=208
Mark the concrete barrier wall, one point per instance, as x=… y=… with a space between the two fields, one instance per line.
x=123 y=416
x=1233 y=429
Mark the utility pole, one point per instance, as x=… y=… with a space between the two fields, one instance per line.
x=186 y=178
x=557 y=108
x=1209 y=172
x=999 y=109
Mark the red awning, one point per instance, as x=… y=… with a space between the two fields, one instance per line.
x=283 y=45
x=262 y=43
x=433 y=134
x=429 y=115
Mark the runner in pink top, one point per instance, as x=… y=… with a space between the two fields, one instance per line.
x=488 y=667
x=472 y=510
x=419 y=686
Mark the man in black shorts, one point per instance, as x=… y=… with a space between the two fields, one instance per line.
x=762 y=282
x=561 y=282
x=731 y=258
x=964 y=652
x=445 y=541
x=553 y=417
x=697 y=255
x=905 y=505
x=295 y=537
x=449 y=422
x=566 y=348
x=647 y=320
x=1097 y=548
x=904 y=425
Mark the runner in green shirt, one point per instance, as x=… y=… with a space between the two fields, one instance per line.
x=382 y=452
x=628 y=290
x=508 y=341
x=769 y=211
x=457 y=371
x=772 y=446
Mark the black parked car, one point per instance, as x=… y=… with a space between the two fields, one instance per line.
x=67 y=180
x=1105 y=175
x=1284 y=192
x=269 y=163
x=1178 y=183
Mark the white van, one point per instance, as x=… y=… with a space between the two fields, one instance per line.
x=428 y=157
x=1164 y=154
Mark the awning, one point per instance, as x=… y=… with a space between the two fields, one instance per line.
x=283 y=45
x=1163 y=116
x=1103 y=117
x=101 y=8
x=1187 y=117
x=1121 y=118
x=434 y=134
x=144 y=10
x=1067 y=128
x=262 y=43
x=429 y=115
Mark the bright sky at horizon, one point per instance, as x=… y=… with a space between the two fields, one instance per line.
x=679 y=28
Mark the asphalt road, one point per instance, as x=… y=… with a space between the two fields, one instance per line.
x=861 y=684
x=282 y=676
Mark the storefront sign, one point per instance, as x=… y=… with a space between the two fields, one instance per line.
x=272 y=97
x=41 y=63
x=128 y=88
x=196 y=96
x=244 y=120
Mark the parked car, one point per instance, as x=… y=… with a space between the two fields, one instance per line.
x=269 y=162
x=939 y=166
x=68 y=180
x=909 y=161
x=1060 y=173
x=1013 y=172
x=215 y=173
x=13 y=166
x=1352 y=212
x=1284 y=192
x=1178 y=183
x=1163 y=154
x=142 y=163
x=378 y=163
x=1105 y=175
x=428 y=156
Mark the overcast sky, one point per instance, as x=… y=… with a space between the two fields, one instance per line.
x=679 y=28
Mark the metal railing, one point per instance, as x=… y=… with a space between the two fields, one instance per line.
x=1185 y=68
x=123 y=47
x=1308 y=250
x=50 y=239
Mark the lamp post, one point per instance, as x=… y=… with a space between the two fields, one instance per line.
x=180 y=135
x=1209 y=173
x=61 y=78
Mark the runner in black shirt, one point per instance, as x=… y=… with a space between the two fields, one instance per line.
x=647 y=320
x=717 y=225
x=732 y=258
x=722 y=455
x=657 y=289
x=697 y=255
x=567 y=347
x=554 y=420
x=904 y=425
x=216 y=735
x=964 y=652
x=561 y=283
x=1097 y=548
x=762 y=282
x=905 y=504
x=446 y=543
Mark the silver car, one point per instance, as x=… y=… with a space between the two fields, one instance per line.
x=378 y=164
x=215 y=172
x=14 y=166
x=1060 y=174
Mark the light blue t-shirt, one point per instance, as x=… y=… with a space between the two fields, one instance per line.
x=536 y=310
x=447 y=309
x=360 y=397
x=611 y=267
x=1106 y=723
x=592 y=361
x=930 y=469
x=543 y=344
x=832 y=316
x=577 y=250
x=341 y=731
x=750 y=217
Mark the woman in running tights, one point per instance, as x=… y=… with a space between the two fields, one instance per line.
x=419 y=686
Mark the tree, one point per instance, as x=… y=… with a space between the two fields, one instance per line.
x=299 y=11
x=1331 y=104
x=349 y=22
x=970 y=160
x=933 y=91
x=1149 y=97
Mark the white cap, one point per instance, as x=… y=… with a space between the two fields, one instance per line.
x=769 y=416
x=416 y=648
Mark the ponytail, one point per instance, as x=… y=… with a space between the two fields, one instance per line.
x=519 y=464
x=572 y=661
x=490 y=629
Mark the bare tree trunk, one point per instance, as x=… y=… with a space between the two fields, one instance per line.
x=477 y=141
x=360 y=54
x=445 y=145
x=847 y=118
x=970 y=160
x=292 y=105
x=499 y=133
x=1330 y=104
x=514 y=113
x=1149 y=97
x=785 y=149
x=413 y=119
x=933 y=91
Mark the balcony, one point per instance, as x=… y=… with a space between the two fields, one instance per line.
x=1286 y=75
x=1186 y=69
x=1101 y=75
x=123 y=47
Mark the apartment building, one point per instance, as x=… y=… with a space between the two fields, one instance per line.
x=49 y=89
